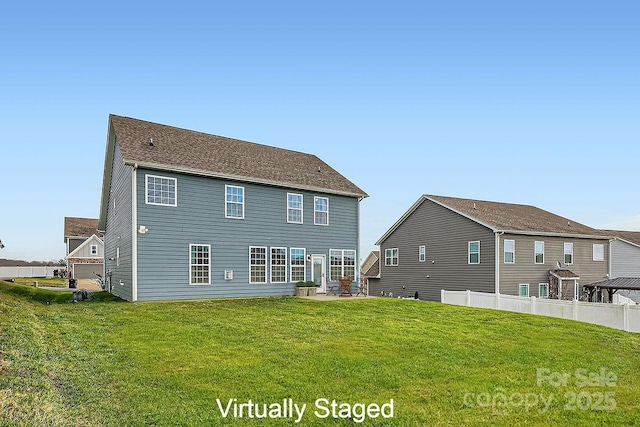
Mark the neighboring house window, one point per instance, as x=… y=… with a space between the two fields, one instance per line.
x=391 y=256
x=543 y=290
x=539 y=252
x=294 y=208
x=278 y=265
x=94 y=249
x=342 y=264
x=474 y=252
x=161 y=190
x=117 y=257
x=200 y=264
x=568 y=253
x=257 y=265
x=321 y=211
x=298 y=256
x=598 y=252
x=509 y=251
x=523 y=290
x=422 y=253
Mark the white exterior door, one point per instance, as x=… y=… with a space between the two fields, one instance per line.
x=318 y=269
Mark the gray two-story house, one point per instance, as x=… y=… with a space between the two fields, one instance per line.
x=462 y=244
x=189 y=215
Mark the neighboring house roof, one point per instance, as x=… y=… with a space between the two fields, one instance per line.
x=632 y=237
x=374 y=270
x=188 y=151
x=506 y=217
x=93 y=240
x=80 y=227
x=632 y=283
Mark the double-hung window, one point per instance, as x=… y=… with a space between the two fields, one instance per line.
x=474 y=252
x=391 y=256
x=94 y=249
x=422 y=253
x=294 y=208
x=321 y=211
x=161 y=190
x=568 y=253
x=598 y=252
x=543 y=290
x=234 y=201
x=297 y=261
x=539 y=252
x=278 y=265
x=342 y=264
x=200 y=264
x=509 y=251
x=523 y=290
x=257 y=264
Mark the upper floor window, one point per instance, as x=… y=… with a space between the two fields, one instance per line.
x=343 y=264
x=539 y=252
x=161 y=190
x=598 y=252
x=568 y=253
x=294 y=208
x=422 y=253
x=200 y=264
x=391 y=256
x=321 y=211
x=234 y=201
x=94 y=249
x=509 y=251
x=474 y=252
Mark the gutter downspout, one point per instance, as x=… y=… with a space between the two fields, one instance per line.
x=134 y=234
x=497 y=271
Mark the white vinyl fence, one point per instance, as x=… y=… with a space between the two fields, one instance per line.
x=43 y=271
x=617 y=316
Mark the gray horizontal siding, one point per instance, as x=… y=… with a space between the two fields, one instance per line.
x=525 y=270
x=119 y=228
x=625 y=260
x=199 y=218
x=445 y=235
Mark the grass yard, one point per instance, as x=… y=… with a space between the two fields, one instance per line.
x=112 y=363
x=53 y=282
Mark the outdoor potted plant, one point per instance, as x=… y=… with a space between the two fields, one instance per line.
x=311 y=287
x=301 y=289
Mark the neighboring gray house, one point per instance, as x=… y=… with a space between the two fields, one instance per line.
x=462 y=244
x=192 y=215
x=84 y=248
x=625 y=253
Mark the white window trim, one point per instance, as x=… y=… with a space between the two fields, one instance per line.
x=565 y=253
x=342 y=263
x=301 y=209
x=469 y=252
x=520 y=287
x=422 y=253
x=505 y=252
x=146 y=190
x=599 y=259
x=540 y=285
x=388 y=261
x=286 y=266
x=314 y=211
x=535 y=261
x=266 y=264
x=304 y=265
x=226 y=202
x=191 y=245
x=94 y=249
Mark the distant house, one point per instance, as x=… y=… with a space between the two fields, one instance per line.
x=84 y=247
x=370 y=267
x=462 y=244
x=625 y=253
x=191 y=215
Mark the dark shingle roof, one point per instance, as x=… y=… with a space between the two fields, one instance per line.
x=194 y=152
x=80 y=227
x=632 y=283
x=629 y=236
x=515 y=217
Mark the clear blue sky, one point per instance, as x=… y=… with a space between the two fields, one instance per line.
x=535 y=103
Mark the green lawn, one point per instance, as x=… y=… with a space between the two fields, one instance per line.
x=111 y=363
x=53 y=282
